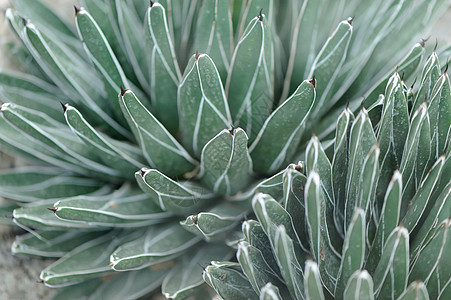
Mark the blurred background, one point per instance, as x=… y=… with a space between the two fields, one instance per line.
x=20 y=275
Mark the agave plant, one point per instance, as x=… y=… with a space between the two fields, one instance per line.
x=150 y=171
x=367 y=217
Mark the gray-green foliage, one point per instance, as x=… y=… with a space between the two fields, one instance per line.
x=175 y=114
x=390 y=238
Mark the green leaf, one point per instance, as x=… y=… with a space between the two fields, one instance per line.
x=52 y=243
x=35 y=183
x=277 y=141
x=109 y=154
x=125 y=207
x=416 y=153
x=422 y=197
x=170 y=195
x=226 y=166
x=327 y=66
x=164 y=70
x=157 y=245
x=79 y=290
x=256 y=237
x=439 y=110
x=393 y=130
x=250 y=84
x=32 y=92
x=256 y=269
x=272 y=186
x=202 y=104
x=214 y=33
x=340 y=165
x=432 y=262
x=227 y=280
x=391 y=274
x=388 y=221
x=158 y=146
x=72 y=75
x=216 y=223
x=6 y=213
x=416 y=290
x=293 y=201
x=359 y=287
x=302 y=52
x=77 y=265
x=438 y=213
x=323 y=253
x=270 y=292
x=353 y=250
x=361 y=140
x=429 y=76
x=103 y=58
x=186 y=274
x=312 y=281
x=290 y=268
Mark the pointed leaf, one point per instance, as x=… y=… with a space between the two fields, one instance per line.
x=269 y=292
x=359 y=287
x=226 y=166
x=281 y=133
x=202 y=105
x=416 y=290
x=312 y=281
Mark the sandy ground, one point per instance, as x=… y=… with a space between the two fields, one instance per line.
x=19 y=275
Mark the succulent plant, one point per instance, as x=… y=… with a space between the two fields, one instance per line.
x=147 y=172
x=336 y=227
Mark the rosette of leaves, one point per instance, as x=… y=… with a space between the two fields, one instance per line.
x=173 y=115
x=364 y=217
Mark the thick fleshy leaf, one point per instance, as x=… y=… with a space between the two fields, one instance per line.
x=256 y=269
x=112 y=155
x=214 y=33
x=429 y=76
x=272 y=186
x=439 y=110
x=393 y=130
x=420 y=201
x=52 y=243
x=77 y=265
x=158 y=146
x=322 y=252
x=432 y=262
x=391 y=274
x=416 y=153
x=32 y=92
x=216 y=223
x=361 y=140
x=388 y=221
x=35 y=183
x=354 y=247
x=327 y=66
x=73 y=76
x=359 y=287
x=293 y=201
x=103 y=59
x=226 y=166
x=250 y=84
x=290 y=268
x=170 y=195
x=125 y=207
x=186 y=274
x=438 y=213
x=270 y=292
x=6 y=213
x=155 y=246
x=228 y=281
x=202 y=105
x=340 y=165
x=416 y=290
x=312 y=281
x=256 y=236
x=281 y=133
x=164 y=70
x=304 y=37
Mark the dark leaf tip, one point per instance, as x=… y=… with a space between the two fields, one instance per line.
x=232 y=130
x=64 y=106
x=260 y=15
x=77 y=10
x=123 y=91
x=313 y=81
x=142 y=172
x=151 y=3
x=349 y=20
x=446 y=68
x=197 y=55
x=52 y=209
x=195 y=219
x=436 y=45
